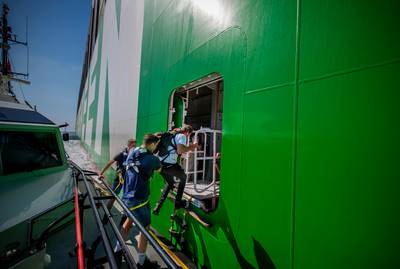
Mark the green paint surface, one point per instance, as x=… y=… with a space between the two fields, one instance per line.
x=310 y=139
x=105 y=140
x=347 y=175
x=309 y=175
x=95 y=79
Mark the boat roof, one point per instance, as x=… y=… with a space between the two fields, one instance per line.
x=21 y=113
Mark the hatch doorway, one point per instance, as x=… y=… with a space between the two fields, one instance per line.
x=200 y=104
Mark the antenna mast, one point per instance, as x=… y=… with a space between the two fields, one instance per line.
x=6 y=72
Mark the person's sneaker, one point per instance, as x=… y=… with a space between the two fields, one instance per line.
x=148 y=264
x=156 y=209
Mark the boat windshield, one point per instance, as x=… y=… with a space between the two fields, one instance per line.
x=22 y=151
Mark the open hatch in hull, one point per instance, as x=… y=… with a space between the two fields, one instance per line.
x=200 y=104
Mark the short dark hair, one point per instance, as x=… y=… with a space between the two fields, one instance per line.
x=149 y=139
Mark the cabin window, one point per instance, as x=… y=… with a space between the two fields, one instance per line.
x=200 y=104
x=28 y=151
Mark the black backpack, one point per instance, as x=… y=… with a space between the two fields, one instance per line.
x=167 y=139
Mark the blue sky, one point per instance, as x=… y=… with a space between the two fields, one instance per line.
x=57 y=38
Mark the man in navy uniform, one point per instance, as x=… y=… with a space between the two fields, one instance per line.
x=140 y=166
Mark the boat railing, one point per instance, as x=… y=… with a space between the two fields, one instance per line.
x=100 y=225
x=88 y=196
x=95 y=200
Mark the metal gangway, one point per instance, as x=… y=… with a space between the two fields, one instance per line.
x=91 y=193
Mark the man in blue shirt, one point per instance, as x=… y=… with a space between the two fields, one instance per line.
x=140 y=164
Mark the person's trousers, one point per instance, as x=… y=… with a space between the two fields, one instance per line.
x=168 y=173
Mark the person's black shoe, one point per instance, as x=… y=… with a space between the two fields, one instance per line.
x=181 y=204
x=118 y=257
x=104 y=220
x=122 y=221
x=148 y=264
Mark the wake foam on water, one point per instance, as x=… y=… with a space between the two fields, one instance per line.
x=79 y=155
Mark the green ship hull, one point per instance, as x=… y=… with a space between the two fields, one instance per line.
x=310 y=133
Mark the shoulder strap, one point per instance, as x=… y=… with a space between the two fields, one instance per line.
x=139 y=154
x=173 y=142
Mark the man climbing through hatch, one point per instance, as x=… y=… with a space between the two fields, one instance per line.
x=140 y=166
x=119 y=159
x=171 y=146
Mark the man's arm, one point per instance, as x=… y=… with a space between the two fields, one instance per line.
x=180 y=149
x=157 y=165
x=110 y=162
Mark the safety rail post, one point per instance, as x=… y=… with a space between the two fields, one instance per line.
x=195 y=159
x=160 y=251
x=204 y=156
x=214 y=169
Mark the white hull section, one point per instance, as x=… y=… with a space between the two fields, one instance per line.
x=107 y=113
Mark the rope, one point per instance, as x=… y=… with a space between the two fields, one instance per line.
x=121 y=181
x=139 y=206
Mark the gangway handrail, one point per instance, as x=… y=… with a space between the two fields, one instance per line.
x=157 y=247
x=117 y=233
x=103 y=234
x=78 y=201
